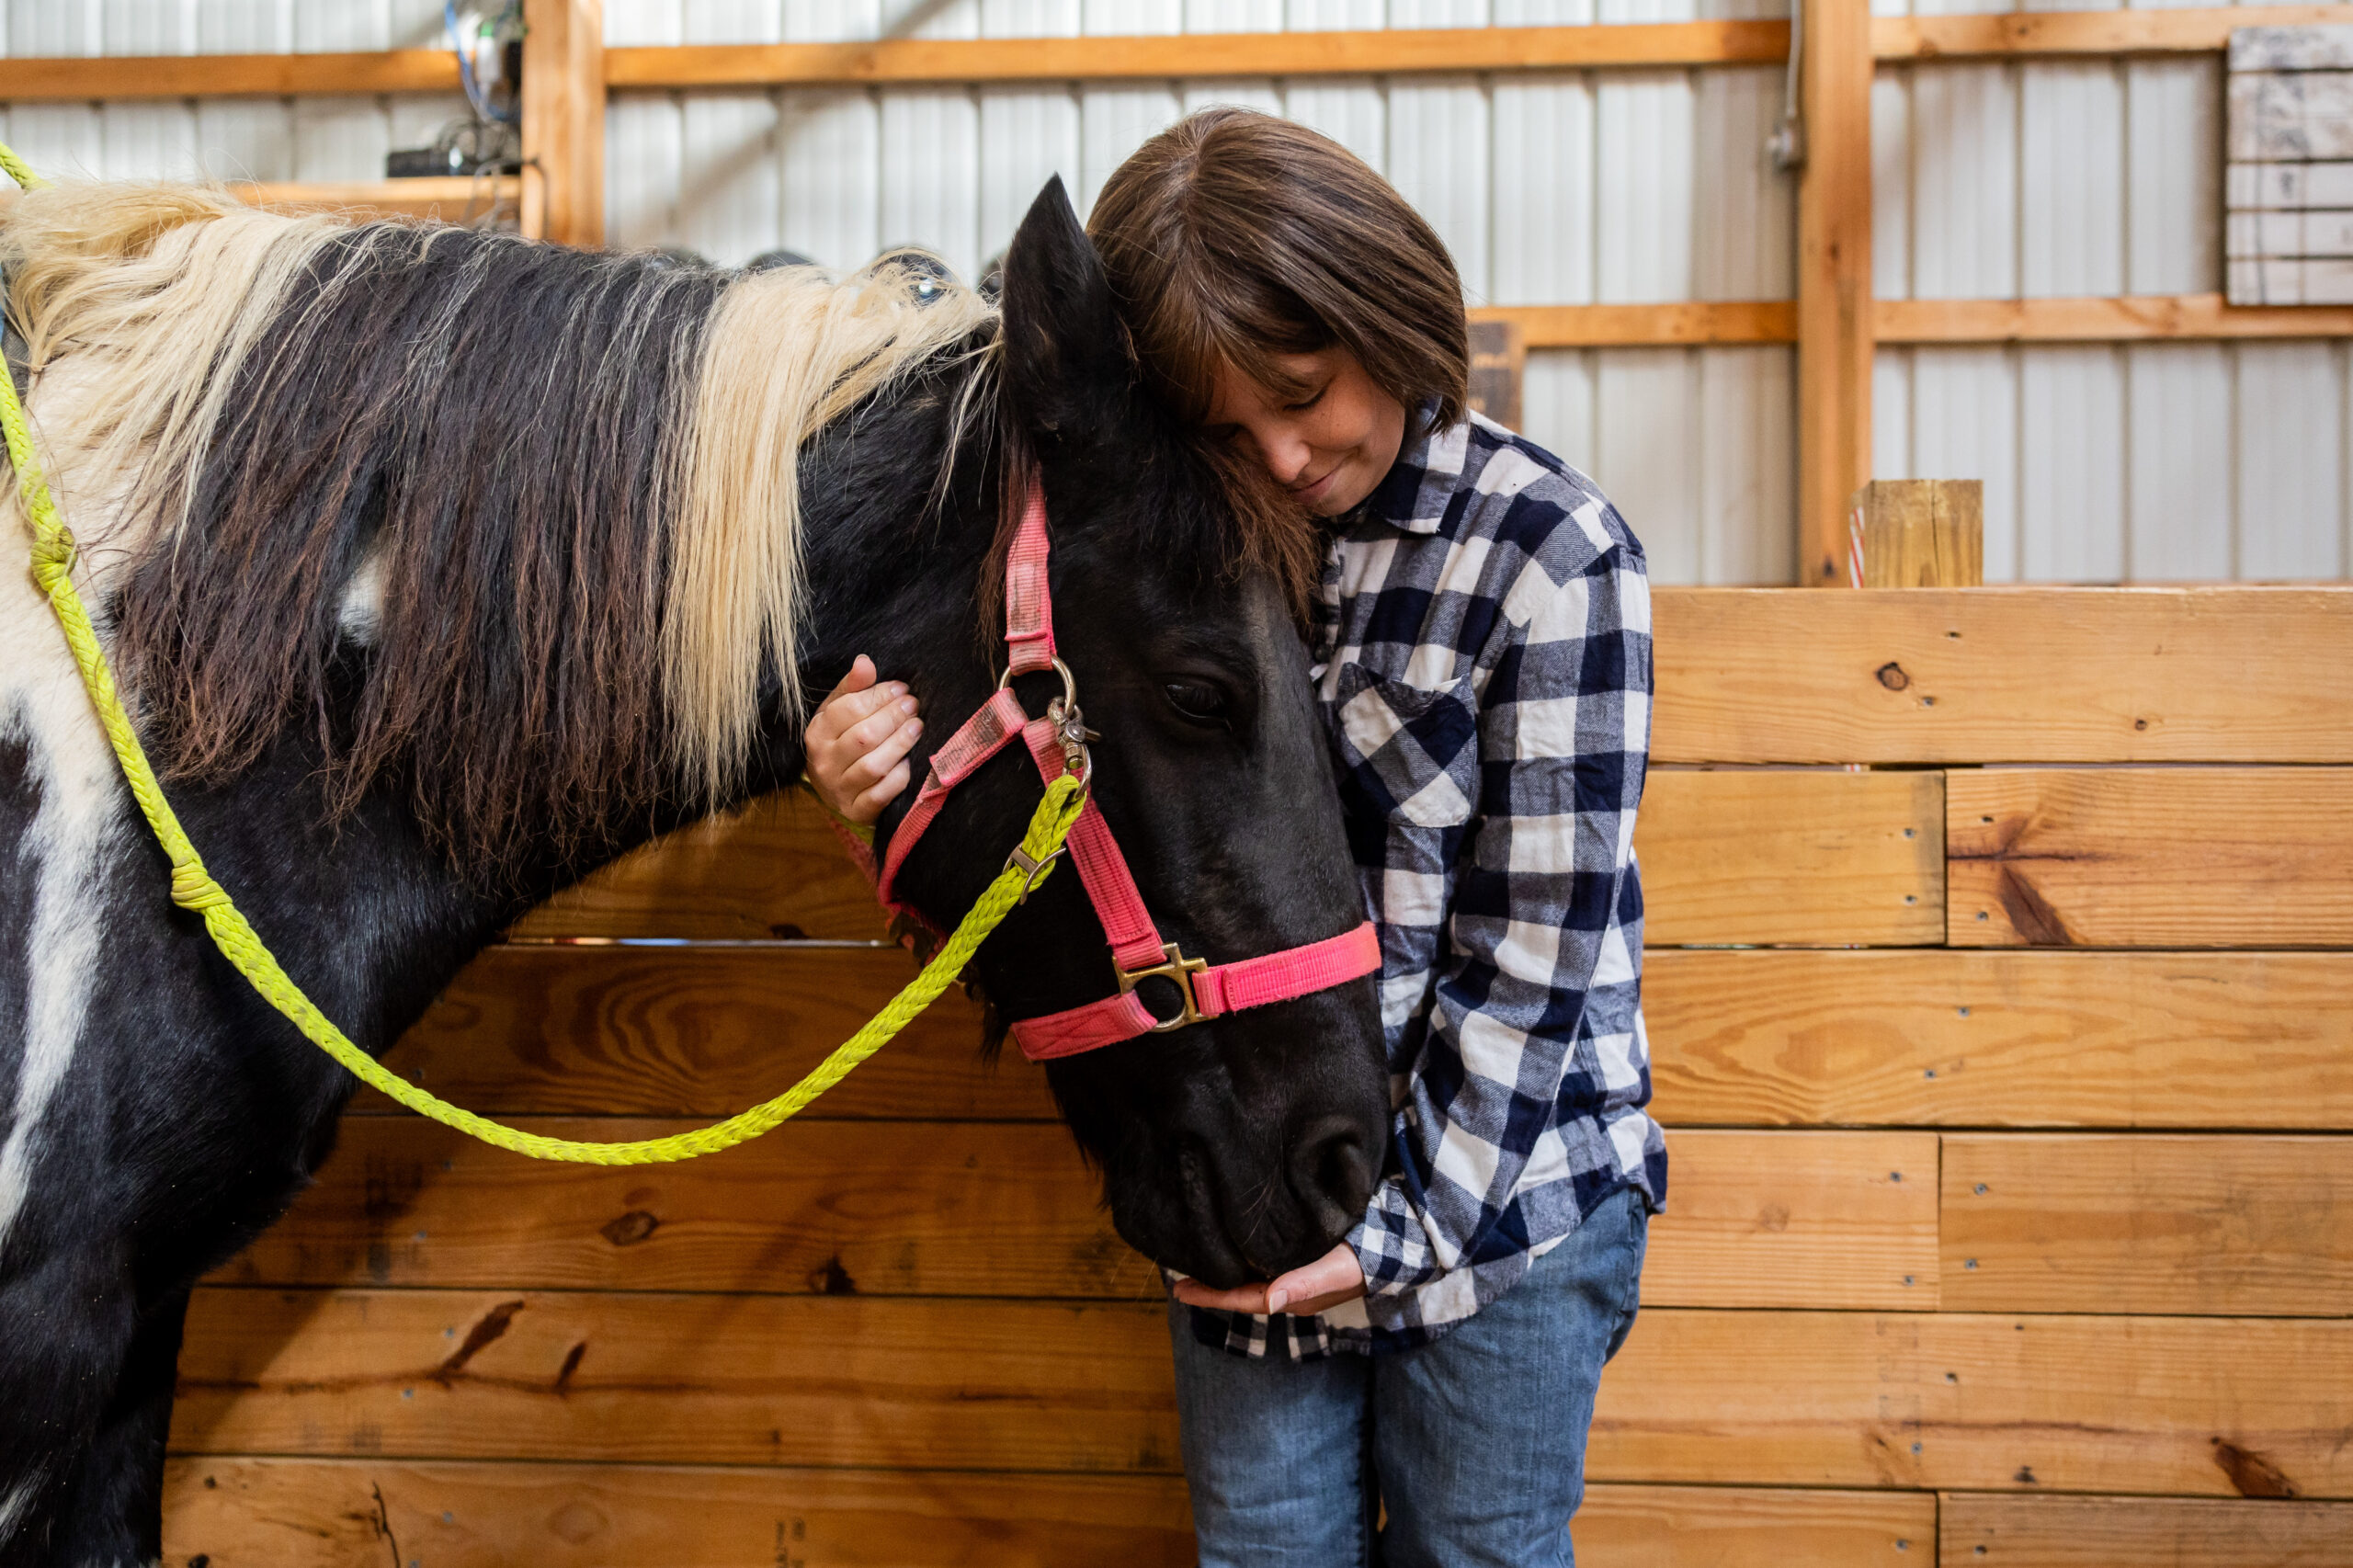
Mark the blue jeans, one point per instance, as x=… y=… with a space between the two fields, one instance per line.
x=1474 y=1444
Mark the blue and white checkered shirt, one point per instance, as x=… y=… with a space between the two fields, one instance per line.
x=1483 y=652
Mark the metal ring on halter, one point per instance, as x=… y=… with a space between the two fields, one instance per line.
x=1070 y=681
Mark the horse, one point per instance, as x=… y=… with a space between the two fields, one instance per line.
x=439 y=567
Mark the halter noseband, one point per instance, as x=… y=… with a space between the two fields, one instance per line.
x=1058 y=743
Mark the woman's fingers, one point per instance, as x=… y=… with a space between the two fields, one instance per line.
x=873 y=761
x=1241 y=1299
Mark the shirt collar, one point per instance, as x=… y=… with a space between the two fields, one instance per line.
x=1415 y=492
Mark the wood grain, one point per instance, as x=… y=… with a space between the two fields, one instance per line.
x=247 y=1512
x=2205 y=857
x=1777 y=856
x=699 y=1031
x=2128 y=319
x=929 y=1209
x=2192 y=31
x=1922 y=533
x=1991 y=1531
x=772 y=870
x=1833 y=282
x=2002 y=1402
x=451 y=200
x=2145 y=1223
x=2002 y=1038
x=55 y=79
x=265 y=1512
x=1159 y=58
x=1981 y=1403
x=679 y=1378
x=2005 y=674
x=563 y=115
x=1682 y=320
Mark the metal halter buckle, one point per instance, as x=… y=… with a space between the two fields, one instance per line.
x=1179 y=970
x=1031 y=869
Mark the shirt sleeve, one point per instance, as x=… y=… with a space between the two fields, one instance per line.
x=1536 y=954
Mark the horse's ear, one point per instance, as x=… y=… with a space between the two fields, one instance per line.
x=1066 y=363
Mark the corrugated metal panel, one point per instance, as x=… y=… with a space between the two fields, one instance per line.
x=1965 y=426
x=735 y=21
x=2177 y=442
x=1027 y=137
x=1743 y=212
x=831 y=143
x=1556 y=404
x=1892 y=414
x=2071 y=187
x=728 y=204
x=2292 y=461
x=1113 y=122
x=1644 y=178
x=1246 y=92
x=1646 y=430
x=1964 y=188
x=1891 y=185
x=1351 y=111
x=2173 y=112
x=1438 y=142
x=1543 y=224
x=931 y=172
x=645 y=156
x=1747 y=442
x=2071 y=464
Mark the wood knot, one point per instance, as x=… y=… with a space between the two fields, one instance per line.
x=2251 y=1473
x=1891 y=676
x=627 y=1229
x=830 y=1279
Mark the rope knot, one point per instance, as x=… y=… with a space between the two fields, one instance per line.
x=193 y=887
x=53 y=555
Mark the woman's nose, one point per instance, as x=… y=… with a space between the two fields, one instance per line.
x=1286 y=455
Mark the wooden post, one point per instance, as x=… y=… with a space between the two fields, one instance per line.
x=1498 y=370
x=563 y=115
x=1919 y=533
x=1834 y=281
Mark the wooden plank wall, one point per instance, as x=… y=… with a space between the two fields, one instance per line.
x=2006 y=1079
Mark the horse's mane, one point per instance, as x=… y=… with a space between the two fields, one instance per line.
x=554 y=493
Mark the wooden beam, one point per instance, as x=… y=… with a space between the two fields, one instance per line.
x=2047 y=33
x=1833 y=282
x=52 y=80
x=328 y=1513
x=2005 y=674
x=1919 y=533
x=1809 y=857
x=1162 y=58
x=1643 y=326
x=2150 y=856
x=2001 y=1038
x=2142 y=1222
x=1796 y=1219
x=563 y=115
x=1981 y=1530
x=2121 y=320
x=450 y=200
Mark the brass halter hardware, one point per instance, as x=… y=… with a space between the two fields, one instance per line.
x=1179 y=970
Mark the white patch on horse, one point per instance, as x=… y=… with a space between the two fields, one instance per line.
x=361 y=612
x=66 y=846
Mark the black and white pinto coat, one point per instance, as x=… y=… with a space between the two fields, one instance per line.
x=438 y=567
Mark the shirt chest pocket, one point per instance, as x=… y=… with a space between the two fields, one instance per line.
x=1407 y=752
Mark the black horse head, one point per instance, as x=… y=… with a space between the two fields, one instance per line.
x=1247 y=1144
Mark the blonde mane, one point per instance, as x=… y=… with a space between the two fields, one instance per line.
x=205 y=374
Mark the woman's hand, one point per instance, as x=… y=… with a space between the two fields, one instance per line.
x=1334 y=1278
x=858 y=743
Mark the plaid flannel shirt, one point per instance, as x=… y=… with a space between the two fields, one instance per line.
x=1482 y=653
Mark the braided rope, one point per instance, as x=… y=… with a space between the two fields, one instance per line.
x=194 y=888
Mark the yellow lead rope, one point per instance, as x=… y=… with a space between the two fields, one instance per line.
x=193 y=887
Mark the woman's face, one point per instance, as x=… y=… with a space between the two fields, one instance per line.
x=1329 y=447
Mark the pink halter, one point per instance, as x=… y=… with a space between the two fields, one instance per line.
x=1058 y=743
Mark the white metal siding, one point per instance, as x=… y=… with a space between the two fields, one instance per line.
x=2148 y=461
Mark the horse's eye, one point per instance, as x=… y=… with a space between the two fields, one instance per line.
x=1195 y=700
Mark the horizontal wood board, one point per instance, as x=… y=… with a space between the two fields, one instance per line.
x=1928 y=1038
x=2151 y=856
x=2004 y=675
x=2000 y=1038
x=2090 y=1222
x=248 y=1513
x=1993 y=1530
x=933 y=1209
x=1796 y=856
x=1906 y=1400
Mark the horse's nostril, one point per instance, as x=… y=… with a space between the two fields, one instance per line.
x=1331 y=1172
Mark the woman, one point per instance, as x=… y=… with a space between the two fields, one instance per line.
x=1482 y=650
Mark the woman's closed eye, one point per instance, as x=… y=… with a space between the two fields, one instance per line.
x=1196 y=699
x=1309 y=401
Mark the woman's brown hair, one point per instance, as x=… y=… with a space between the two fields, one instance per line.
x=1233 y=238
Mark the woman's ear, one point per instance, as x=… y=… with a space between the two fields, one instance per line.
x=1067 y=362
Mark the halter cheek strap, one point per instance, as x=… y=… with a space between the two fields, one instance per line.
x=1057 y=742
